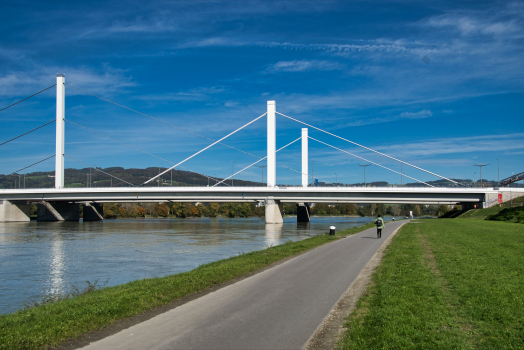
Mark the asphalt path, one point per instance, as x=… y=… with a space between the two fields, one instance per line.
x=279 y=308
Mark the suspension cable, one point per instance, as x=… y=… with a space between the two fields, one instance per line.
x=135 y=148
x=369 y=149
x=27 y=98
x=203 y=149
x=14 y=172
x=249 y=166
x=95 y=168
x=370 y=161
x=160 y=120
x=180 y=128
x=14 y=138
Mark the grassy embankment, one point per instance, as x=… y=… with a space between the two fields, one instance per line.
x=445 y=284
x=50 y=324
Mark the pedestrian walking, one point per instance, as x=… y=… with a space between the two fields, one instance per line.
x=380 y=226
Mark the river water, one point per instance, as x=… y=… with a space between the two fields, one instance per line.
x=38 y=258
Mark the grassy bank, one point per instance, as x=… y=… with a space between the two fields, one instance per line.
x=50 y=324
x=480 y=214
x=445 y=284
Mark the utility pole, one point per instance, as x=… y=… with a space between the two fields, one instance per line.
x=365 y=166
x=481 y=165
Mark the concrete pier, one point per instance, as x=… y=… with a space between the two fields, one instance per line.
x=274 y=209
x=303 y=212
x=58 y=211
x=13 y=211
x=93 y=212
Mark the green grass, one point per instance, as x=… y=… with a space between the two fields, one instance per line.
x=509 y=214
x=50 y=324
x=480 y=214
x=445 y=284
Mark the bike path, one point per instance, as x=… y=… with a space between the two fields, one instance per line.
x=279 y=308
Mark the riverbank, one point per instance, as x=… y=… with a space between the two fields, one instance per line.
x=51 y=324
x=445 y=284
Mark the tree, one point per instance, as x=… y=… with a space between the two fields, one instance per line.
x=416 y=211
x=162 y=210
x=442 y=209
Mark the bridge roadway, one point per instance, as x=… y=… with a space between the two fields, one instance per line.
x=279 y=308
x=399 y=195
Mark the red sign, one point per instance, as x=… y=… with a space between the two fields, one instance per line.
x=500 y=197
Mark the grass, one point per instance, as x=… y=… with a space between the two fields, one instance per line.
x=509 y=214
x=445 y=284
x=480 y=214
x=50 y=324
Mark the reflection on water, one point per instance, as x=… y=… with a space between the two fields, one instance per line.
x=46 y=257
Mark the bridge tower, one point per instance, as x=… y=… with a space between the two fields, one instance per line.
x=273 y=207
x=60 y=130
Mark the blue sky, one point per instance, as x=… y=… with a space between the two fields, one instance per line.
x=438 y=84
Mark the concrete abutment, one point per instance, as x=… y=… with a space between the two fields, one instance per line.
x=274 y=210
x=14 y=211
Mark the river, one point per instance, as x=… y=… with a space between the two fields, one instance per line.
x=39 y=258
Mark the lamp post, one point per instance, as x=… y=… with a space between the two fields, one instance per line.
x=262 y=168
x=498 y=170
x=475 y=173
x=336 y=179
x=481 y=165
x=216 y=180
x=313 y=172
x=365 y=166
x=232 y=173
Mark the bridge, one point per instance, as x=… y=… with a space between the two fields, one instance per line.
x=60 y=203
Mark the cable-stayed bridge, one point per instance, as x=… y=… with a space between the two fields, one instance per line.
x=62 y=203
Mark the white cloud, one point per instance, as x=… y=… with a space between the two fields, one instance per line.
x=27 y=82
x=304 y=65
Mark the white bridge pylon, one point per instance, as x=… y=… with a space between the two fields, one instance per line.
x=271 y=144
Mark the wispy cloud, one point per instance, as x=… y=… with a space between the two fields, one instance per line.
x=304 y=66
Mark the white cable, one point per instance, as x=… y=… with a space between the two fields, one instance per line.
x=369 y=149
x=370 y=161
x=138 y=149
x=203 y=149
x=249 y=166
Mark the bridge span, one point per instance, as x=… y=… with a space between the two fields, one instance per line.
x=59 y=203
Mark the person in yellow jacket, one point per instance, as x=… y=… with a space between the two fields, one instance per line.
x=380 y=225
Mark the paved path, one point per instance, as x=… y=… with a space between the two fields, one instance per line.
x=279 y=308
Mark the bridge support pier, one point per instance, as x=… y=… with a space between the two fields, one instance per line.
x=274 y=211
x=303 y=212
x=12 y=211
x=58 y=211
x=93 y=212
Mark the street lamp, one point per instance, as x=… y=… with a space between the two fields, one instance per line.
x=481 y=165
x=232 y=173
x=498 y=170
x=262 y=168
x=336 y=179
x=313 y=171
x=365 y=166
x=475 y=173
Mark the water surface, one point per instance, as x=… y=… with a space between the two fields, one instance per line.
x=37 y=258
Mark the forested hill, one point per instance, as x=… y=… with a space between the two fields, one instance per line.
x=80 y=178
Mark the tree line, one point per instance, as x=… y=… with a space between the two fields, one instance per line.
x=191 y=210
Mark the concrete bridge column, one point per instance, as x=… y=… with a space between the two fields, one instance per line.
x=274 y=211
x=58 y=211
x=93 y=212
x=11 y=211
x=303 y=212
